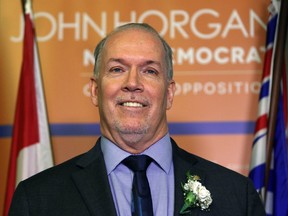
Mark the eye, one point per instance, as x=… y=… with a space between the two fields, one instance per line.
x=151 y=71
x=116 y=70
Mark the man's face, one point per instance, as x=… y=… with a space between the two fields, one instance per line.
x=132 y=91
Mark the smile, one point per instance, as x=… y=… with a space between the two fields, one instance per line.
x=132 y=104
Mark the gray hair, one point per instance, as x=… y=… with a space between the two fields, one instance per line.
x=142 y=26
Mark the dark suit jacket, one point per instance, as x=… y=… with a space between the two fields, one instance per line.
x=80 y=187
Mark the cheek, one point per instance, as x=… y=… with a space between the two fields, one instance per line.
x=160 y=97
x=107 y=100
x=108 y=90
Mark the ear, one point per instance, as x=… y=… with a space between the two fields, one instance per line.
x=93 y=90
x=170 y=93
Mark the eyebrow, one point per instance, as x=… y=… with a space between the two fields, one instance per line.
x=122 y=61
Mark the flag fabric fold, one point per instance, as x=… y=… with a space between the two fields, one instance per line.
x=271 y=185
x=31 y=146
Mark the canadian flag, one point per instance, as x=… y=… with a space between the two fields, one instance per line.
x=31 y=147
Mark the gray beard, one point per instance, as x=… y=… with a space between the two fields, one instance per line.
x=131 y=134
x=131 y=130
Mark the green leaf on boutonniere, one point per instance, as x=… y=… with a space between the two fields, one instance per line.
x=189 y=199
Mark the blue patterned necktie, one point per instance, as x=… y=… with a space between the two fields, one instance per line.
x=141 y=191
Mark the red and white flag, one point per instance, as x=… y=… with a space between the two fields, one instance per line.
x=31 y=147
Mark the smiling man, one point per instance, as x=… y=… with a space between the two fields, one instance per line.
x=135 y=168
x=132 y=89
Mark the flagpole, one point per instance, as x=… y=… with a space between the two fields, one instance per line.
x=23 y=7
x=31 y=150
x=276 y=81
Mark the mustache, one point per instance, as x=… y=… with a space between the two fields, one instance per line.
x=132 y=98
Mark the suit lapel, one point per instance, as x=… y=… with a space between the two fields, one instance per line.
x=183 y=162
x=92 y=183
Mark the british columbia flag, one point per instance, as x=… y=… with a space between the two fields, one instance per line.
x=272 y=185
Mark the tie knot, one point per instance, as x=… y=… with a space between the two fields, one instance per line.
x=137 y=163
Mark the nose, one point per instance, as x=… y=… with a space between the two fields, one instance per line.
x=133 y=81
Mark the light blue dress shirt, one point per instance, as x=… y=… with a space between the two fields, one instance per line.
x=160 y=175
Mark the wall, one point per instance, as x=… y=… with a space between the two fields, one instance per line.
x=218 y=55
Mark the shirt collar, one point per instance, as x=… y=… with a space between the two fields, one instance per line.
x=161 y=152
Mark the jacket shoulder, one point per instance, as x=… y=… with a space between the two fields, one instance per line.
x=61 y=173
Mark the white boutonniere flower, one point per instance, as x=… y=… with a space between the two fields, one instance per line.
x=195 y=194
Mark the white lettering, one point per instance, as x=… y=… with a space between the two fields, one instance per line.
x=215 y=26
x=73 y=25
x=204 y=24
x=253 y=56
x=217 y=88
x=178 y=89
x=159 y=14
x=187 y=87
x=178 y=25
x=183 y=56
x=117 y=18
x=88 y=22
x=237 y=55
x=88 y=58
x=221 y=55
x=21 y=32
x=53 y=29
x=204 y=55
x=231 y=26
x=253 y=16
x=219 y=58
x=86 y=90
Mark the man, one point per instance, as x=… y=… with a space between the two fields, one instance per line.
x=133 y=87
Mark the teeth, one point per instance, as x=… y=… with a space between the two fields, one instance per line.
x=132 y=104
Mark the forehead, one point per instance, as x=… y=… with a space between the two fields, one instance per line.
x=134 y=42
